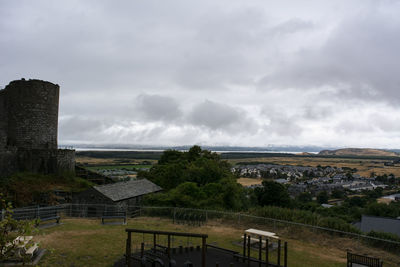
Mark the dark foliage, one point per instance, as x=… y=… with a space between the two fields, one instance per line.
x=197 y=178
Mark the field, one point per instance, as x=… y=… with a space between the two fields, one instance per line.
x=118 y=167
x=249 y=181
x=85 y=242
x=90 y=161
x=364 y=165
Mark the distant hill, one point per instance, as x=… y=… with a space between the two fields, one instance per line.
x=358 y=152
x=308 y=153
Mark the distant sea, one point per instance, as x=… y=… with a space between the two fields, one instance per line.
x=235 y=150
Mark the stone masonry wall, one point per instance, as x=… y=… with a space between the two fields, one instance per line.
x=32 y=114
x=8 y=163
x=28 y=129
x=66 y=160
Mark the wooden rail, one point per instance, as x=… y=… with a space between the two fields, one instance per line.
x=168 y=234
x=364 y=260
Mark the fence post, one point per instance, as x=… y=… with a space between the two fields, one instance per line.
x=279 y=253
x=266 y=251
x=174 y=219
x=244 y=246
x=248 y=250
x=260 y=250
x=285 y=258
x=128 y=250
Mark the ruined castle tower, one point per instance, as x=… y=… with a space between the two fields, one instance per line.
x=28 y=129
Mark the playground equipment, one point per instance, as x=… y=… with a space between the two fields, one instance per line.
x=160 y=248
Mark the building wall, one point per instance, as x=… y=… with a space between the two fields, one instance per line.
x=91 y=196
x=32 y=114
x=46 y=160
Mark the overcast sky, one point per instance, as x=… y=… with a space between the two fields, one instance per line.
x=225 y=72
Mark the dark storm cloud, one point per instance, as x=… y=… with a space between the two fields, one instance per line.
x=140 y=71
x=157 y=108
x=216 y=116
x=359 y=60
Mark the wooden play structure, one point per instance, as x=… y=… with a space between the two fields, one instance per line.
x=161 y=248
x=262 y=240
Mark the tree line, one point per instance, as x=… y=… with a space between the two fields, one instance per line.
x=201 y=179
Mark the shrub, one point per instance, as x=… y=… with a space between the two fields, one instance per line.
x=10 y=229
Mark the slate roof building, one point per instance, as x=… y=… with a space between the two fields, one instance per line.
x=122 y=194
x=380 y=224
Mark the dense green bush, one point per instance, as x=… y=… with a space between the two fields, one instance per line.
x=197 y=179
x=384 y=244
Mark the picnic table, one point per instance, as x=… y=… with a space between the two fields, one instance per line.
x=256 y=234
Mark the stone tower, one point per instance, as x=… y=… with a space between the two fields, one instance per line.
x=28 y=129
x=32 y=114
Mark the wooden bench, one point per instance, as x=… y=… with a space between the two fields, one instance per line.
x=113 y=215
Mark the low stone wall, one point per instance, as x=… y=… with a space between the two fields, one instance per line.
x=43 y=161
x=8 y=160
x=66 y=160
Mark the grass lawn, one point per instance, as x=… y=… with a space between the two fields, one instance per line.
x=85 y=242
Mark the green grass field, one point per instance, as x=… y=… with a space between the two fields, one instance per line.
x=85 y=242
x=118 y=167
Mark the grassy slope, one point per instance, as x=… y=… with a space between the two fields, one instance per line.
x=24 y=189
x=359 y=152
x=85 y=242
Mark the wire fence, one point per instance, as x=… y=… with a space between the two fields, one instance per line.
x=198 y=217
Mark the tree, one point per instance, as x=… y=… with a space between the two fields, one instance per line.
x=273 y=193
x=196 y=178
x=337 y=193
x=194 y=153
x=10 y=229
x=356 y=201
x=305 y=197
x=322 y=197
